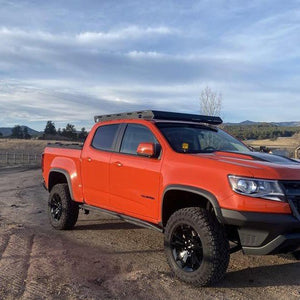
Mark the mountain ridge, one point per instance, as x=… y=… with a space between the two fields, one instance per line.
x=7 y=131
x=280 y=124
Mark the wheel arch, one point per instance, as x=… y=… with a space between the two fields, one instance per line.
x=172 y=201
x=56 y=176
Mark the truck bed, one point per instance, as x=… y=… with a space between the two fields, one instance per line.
x=77 y=146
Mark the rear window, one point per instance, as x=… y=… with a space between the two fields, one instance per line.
x=105 y=136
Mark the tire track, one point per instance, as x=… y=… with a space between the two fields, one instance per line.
x=3 y=243
x=46 y=267
x=14 y=265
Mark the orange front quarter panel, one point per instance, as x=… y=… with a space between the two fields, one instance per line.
x=251 y=204
x=202 y=172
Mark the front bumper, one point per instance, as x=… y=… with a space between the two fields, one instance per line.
x=265 y=233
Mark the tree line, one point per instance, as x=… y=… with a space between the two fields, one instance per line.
x=50 y=132
x=260 y=131
x=242 y=132
x=19 y=132
x=69 y=132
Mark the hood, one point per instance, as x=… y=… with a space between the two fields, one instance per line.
x=260 y=165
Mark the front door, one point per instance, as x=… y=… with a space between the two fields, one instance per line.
x=134 y=180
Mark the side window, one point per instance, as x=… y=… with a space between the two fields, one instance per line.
x=134 y=135
x=104 y=137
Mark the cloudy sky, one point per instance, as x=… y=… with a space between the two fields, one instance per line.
x=69 y=60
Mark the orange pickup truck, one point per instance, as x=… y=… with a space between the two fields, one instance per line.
x=181 y=175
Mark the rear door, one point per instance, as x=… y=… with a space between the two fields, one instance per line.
x=95 y=165
x=134 y=180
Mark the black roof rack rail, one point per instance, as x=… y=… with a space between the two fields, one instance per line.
x=160 y=115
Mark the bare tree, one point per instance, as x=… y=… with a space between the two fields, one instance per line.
x=210 y=102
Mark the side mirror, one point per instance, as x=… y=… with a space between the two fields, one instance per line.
x=147 y=150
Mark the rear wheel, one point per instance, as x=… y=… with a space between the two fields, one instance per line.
x=62 y=210
x=196 y=246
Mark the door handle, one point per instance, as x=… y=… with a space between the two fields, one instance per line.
x=118 y=164
x=89 y=159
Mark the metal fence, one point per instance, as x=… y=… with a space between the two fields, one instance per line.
x=19 y=158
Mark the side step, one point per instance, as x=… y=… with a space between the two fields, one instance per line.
x=128 y=219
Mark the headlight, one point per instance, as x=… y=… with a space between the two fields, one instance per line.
x=258 y=188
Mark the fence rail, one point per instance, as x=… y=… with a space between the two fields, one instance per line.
x=19 y=158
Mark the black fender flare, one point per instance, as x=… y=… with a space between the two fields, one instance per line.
x=208 y=195
x=66 y=174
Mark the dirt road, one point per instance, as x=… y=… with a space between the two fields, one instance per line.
x=104 y=258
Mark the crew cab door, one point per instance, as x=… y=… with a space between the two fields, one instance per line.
x=134 y=180
x=95 y=165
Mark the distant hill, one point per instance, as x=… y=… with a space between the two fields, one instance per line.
x=249 y=130
x=247 y=122
x=281 y=124
x=287 y=124
x=6 y=131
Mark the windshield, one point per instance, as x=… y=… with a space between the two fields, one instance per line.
x=193 y=138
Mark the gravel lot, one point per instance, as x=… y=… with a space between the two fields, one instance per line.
x=105 y=258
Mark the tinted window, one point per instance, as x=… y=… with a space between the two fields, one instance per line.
x=104 y=137
x=134 y=135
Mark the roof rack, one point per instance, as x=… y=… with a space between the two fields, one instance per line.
x=160 y=115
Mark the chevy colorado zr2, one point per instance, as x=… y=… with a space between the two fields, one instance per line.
x=180 y=174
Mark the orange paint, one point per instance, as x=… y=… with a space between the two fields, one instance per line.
x=134 y=185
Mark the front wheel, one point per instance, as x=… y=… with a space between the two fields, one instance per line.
x=196 y=246
x=62 y=210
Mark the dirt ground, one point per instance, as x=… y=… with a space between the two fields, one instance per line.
x=105 y=258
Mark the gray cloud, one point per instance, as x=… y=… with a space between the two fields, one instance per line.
x=69 y=61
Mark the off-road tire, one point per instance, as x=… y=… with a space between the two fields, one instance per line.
x=67 y=212
x=215 y=246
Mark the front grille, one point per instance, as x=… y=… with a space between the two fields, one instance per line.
x=292 y=191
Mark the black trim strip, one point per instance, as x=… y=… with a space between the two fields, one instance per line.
x=274 y=245
x=76 y=146
x=64 y=172
x=123 y=217
x=209 y=196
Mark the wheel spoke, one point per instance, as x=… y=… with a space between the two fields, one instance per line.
x=186 y=248
x=177 y=244
x=56 y=207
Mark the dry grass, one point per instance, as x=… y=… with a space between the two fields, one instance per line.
x=281 y=142
x=26 y=146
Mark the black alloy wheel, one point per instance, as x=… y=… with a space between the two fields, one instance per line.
x=186 y=248
x=56 y=207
